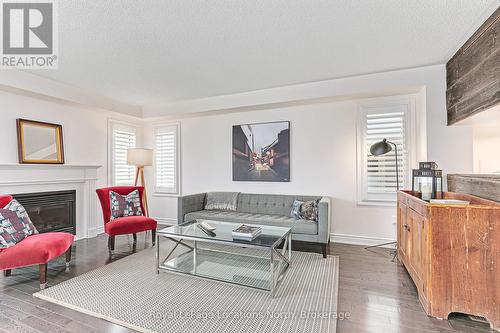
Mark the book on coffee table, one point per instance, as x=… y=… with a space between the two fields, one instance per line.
x=246 y=232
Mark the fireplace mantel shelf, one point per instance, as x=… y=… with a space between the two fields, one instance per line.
x=48 y=166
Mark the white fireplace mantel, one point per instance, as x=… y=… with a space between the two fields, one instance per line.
x=30 y=178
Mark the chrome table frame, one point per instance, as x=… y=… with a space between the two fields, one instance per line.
x=276 y=254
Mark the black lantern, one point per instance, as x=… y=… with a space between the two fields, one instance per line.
x=427 y=182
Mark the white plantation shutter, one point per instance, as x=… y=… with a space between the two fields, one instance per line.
x=123 y=139
x=166 y=159
x=377 y=174
x=381 y=170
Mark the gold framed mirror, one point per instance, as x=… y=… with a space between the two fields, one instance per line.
x=39 y=142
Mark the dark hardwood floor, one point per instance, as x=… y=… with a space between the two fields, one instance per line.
x=378 y=294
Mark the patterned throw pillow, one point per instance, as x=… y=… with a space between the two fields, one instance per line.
x=297 y=204
x=309 y=210
x=125 y=205
x=15 y=224
x=15 y=206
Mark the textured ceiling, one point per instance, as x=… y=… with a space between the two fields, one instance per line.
x=150 y=53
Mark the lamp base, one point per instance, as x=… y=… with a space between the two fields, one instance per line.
x=393 y=252
x=140 y=174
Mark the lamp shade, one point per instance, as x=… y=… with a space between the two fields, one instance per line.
x=140 y=157
x=380 y=148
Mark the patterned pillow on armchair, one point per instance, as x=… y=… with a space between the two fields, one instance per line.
x=15 y=224
x=125 y=205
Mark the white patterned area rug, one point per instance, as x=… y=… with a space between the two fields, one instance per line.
x=128 y=292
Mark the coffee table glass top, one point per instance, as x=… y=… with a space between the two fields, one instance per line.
x=269 y=237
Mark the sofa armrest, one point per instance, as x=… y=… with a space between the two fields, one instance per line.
x=324 y=219
x=189 y=203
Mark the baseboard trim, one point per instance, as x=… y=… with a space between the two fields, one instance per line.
x=359 y=240
x=165 y=220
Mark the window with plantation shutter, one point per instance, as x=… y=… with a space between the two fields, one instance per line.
x=377 y=181
x=123 y=137
x=166 y=166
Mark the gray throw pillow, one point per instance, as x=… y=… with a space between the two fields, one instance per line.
x=297 y=204
x=221 y=200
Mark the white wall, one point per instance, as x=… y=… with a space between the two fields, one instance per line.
x=84 y=130
x=486 y=150
x=323 y=162
x=323 y=143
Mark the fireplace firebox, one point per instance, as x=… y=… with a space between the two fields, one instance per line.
x=50 y=211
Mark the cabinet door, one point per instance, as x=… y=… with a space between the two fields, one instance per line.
x=416 y=236
x=408 y=239
x=420 y=236
x=418 y=257
x=402 y=234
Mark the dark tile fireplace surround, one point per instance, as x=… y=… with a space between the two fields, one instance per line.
x=50 y=211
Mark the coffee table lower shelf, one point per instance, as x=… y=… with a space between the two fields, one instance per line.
x=249 y=267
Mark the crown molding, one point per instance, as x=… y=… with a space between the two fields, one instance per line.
x=32 y=85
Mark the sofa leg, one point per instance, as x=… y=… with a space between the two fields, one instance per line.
x=43 y=275
x=111 y=243
x=7 y=272
x=134 y=236
x=68 y=257
x=323 y=250
x=153 y=236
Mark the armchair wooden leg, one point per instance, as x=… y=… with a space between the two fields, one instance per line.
x=68 y=257
x=153 y=236
x=7 y=272
x=111 y=243
x=43 y=275
x=323 y=249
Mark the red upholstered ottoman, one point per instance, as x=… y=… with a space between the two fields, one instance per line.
x=36 y=249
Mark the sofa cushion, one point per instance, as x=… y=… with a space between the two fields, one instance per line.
x=298 y=226
x=221 y=200
x=36 y=249
x=272 y=204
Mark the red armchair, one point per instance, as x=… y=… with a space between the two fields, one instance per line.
x=36 y=249
x=128 y=224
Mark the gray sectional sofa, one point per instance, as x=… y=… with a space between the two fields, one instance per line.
x=267 y=209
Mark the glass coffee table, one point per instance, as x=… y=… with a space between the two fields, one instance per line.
x=259 y=263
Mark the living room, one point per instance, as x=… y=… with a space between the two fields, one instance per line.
x=152 y=135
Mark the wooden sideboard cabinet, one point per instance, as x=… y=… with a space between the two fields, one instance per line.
x=452 y=253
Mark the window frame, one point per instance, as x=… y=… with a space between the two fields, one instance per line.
x=162 y=191
x=112 y=125
x=377 y=105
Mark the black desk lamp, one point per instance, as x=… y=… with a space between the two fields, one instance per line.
x=381 y=148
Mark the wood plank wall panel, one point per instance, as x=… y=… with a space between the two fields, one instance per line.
x=473 y=73
x=484 y=186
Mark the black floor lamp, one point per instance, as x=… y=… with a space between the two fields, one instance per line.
x=381 y=148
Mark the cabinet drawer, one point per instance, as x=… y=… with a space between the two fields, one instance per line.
x=418 y=207
x=403 y=200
